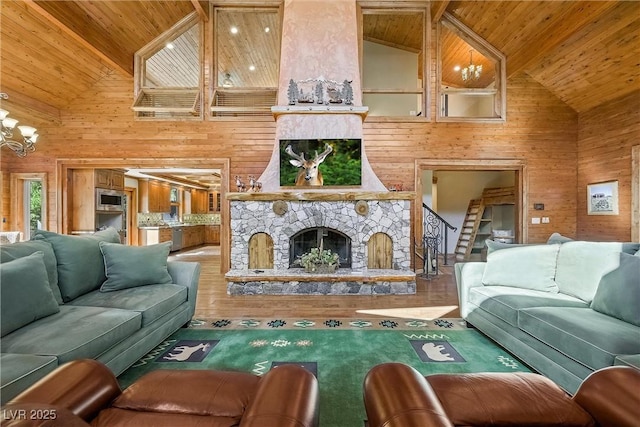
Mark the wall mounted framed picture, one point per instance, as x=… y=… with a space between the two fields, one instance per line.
x=602 y=198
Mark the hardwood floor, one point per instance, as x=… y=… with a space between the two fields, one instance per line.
x=436 y=297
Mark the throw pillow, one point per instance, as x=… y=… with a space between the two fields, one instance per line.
x=558 y=238
x=80 y=262
x=25 y=293
x=131 y=266
x=21 y=249
x=493 y=246
x=527 y=267
x=582 y=264
x=618 y=292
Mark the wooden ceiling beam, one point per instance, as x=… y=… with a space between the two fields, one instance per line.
x=437 y=9
x=202 y=11
x=78 y=38
x=547 y=39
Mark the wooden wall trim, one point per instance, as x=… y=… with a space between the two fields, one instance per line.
x=64 y=165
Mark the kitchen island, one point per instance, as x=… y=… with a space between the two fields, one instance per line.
x=192 y=234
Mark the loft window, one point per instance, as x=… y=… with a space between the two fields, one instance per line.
x=394 y=65
x=246 y=63
x=471 y=75
x=168 y=74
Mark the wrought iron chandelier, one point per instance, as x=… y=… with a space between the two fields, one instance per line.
x=471 y=72
x=7 y=125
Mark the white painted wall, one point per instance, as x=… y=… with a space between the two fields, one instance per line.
x=461 y=105
x=389 y=68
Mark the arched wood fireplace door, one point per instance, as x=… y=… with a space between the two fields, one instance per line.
x=308 y=238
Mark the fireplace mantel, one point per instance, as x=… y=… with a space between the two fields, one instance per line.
x=320 y=109
x=322 y=196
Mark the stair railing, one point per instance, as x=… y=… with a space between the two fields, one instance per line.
x=435 y=239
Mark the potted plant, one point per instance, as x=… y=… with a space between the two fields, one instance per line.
x=319 y=260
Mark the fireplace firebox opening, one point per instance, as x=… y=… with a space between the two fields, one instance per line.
x=334 y=240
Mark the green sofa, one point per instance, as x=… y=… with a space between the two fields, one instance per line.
x=565 y=309
x=76 y=297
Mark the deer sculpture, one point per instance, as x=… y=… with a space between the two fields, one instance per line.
x=309 y=173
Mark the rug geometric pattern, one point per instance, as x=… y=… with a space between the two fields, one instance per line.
x=339 y=352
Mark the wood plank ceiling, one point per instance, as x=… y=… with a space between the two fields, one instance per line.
x=585 y=52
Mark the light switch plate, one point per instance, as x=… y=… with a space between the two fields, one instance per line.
x=535 y=220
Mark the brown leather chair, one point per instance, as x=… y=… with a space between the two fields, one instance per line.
x=397 y=395
x=85 y=392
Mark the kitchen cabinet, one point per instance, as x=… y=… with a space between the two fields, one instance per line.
x=154 y=235
x=193 y=235
x=155 y=196
x=212 y=234
x=82 y=196
x=199 y=202
x=213 y=201
x=109 y=178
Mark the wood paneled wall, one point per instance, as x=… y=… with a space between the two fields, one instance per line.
x=606 y=135
x=540 y=130
x=5 y=212
x=562 y=154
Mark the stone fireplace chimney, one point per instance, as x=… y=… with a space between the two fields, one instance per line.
x=319 y=41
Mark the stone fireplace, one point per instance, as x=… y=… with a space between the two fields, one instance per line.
x=369 y=226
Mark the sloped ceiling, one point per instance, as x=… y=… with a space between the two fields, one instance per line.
x=585 y=52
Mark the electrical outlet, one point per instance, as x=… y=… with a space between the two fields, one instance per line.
x=535 y=220
x=545 y=220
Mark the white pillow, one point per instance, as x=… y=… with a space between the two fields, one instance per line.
x=527 y=267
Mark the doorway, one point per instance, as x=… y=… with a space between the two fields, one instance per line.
x=65 y=166
x=435 y=177
x=29 y=204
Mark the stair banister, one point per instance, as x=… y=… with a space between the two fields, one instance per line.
x=432 y=238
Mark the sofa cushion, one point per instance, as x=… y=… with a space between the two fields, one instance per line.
x=19 y=371
x=582 y=264
x=618 y=292
x=528 y=267
x=25 y=292
x=21 y=249
x=153 y=301
x=80 y=262
x=504 y=302
x=493 y=245
x=585 y=335
x=74 y=333
x=131 y=266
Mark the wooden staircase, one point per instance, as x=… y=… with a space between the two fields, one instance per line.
x=477 y=226
x=470 y=227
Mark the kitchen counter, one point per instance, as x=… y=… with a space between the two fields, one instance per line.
x=156 y=227
x=192 y=234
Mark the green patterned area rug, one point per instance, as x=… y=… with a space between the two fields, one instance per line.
x=338 y=351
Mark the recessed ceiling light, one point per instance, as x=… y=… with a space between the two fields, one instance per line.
x=234 y=30
x=252 y=67
x=267 y=29
x=169 y=45
x=456 y=68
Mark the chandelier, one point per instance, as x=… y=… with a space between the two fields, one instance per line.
x=472 y=72
x=7 y=124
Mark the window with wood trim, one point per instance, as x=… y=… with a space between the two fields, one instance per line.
x=168 y=74
x=246 y=61
x=471 y=75
x=395 y=72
